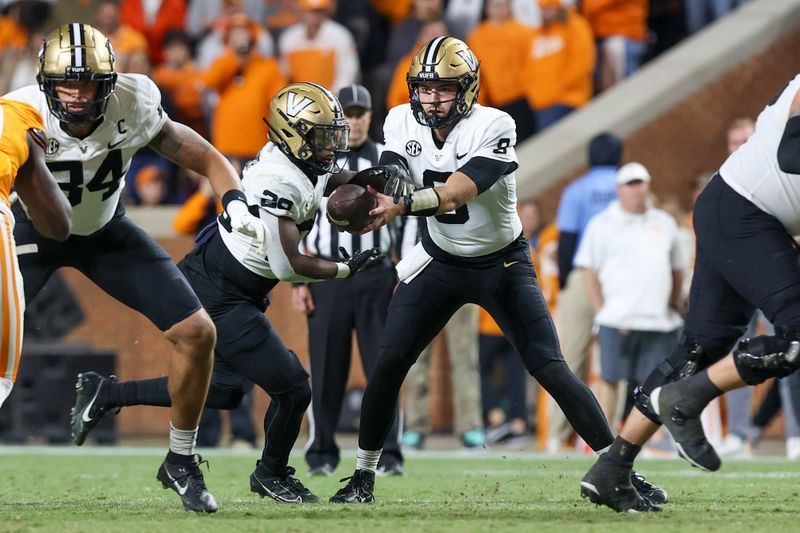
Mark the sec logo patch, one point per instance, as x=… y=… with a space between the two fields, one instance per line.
x=413 y=148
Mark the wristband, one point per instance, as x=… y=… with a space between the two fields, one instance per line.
x=342 y=271
x=422 y=202
x=231 y=195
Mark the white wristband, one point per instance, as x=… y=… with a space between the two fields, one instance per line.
x=342 y=270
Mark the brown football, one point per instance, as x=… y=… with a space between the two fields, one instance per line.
x=349 y=207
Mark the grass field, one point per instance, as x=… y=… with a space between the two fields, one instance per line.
x=96 y=489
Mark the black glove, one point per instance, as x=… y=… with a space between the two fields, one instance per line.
x=361 y=260
x=398 y=182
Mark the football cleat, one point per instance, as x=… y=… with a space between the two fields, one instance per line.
x=652 y=493
x=412 y=440
x=284 y=489
x=474 y=438
x=187 y=481
x=359 y=489
x=687 y=431
x=610 y=485
x=389 y=467
x=85 y=414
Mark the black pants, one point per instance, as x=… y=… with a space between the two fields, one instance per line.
x=745 y=260
x=507 y=289
x=342 y=306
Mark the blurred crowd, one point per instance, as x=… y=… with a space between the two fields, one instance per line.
x=218 y=62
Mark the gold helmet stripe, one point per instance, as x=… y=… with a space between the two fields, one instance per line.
x=429 y=63
x=78 y=45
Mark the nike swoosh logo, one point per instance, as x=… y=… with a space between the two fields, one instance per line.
x=506 y=265
x=278 y=497
x=181 y=488
x=462 y=156
x=112 y=146
x=85 y=416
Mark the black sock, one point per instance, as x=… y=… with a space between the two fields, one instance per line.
x=137 y=392
x=178 y=459
x=622 y=452
x=695 y=393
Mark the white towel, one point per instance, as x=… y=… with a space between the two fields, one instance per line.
x=413 y=263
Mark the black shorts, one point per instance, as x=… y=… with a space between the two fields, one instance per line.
x=504 y=284
x=236 y=299
x=120 y=258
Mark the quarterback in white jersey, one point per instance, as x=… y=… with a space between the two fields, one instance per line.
x=232 y=273
x=96 y=120
x=460 y=160
x=746 y=260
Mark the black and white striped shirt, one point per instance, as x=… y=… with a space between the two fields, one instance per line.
x=324 y=240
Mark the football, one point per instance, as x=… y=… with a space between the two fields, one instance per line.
x=349 y=207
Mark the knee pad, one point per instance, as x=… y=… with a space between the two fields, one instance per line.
x=299 y=396
x=766 y=356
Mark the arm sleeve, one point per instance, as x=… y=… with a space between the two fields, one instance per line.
x=789 y=147
x=494 y=157
x=567 y=242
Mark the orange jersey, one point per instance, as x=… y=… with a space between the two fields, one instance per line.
x=12 y=35
x=627 y=18
x=16 y=118
x=561 y=63
x=503 y=51
x=398 y=88
x=244 y=94
x=184 y=85
x=547 y=265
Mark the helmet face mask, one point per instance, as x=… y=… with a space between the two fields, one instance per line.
x=76 y=52
x=442 y=60
x=307 y=123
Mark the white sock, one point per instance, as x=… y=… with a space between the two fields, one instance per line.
x=367 y=459
x=5 y=389
x=182 y=441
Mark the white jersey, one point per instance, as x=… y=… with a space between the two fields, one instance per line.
x=753 y=169
x=487 y=223
x=91 y=171
x=279 y=188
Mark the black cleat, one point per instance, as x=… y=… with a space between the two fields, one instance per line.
x=652 y=493
x=284 y=489
x=85 y=415
x=686 y=430
x=390 y=467
x=609 y=484
x=359 y=489
x=187 y=481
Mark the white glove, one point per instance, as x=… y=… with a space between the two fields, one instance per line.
x=242 y=221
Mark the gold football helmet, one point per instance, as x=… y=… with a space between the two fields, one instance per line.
x=307 y=123
x=76 y=52
x=444 y=59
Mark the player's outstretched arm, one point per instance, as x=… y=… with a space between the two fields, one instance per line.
x=48 y=207
x=185 y=147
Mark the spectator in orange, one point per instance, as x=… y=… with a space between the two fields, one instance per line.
x=212 y=45
x=154 y=19
x=394 y=10
x=245 y=82
x=319 y=50
x=547 y=267
x=621 y=30
x=125 y=40
x=280 y=15
x=199 y=210
x=180 y=77
x=398 y=89
x=558 y=77
x=13 y=33
x=502 y=45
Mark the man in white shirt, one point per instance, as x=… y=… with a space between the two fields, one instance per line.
x=633 y=266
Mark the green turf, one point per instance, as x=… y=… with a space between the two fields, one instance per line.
x=43 y=490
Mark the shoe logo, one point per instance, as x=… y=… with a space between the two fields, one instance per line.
x=180 y=488
x=506 y=265
x=462 y=156
x=112 y=146
x=85 y=415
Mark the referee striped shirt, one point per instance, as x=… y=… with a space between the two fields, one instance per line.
x=324 y=240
